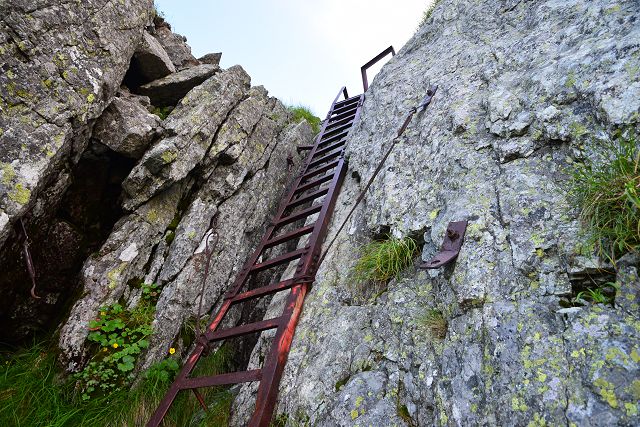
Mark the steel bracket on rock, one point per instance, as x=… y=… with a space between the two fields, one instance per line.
x=450 y=246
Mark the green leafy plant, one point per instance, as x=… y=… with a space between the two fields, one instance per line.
x=300 y=113
x=434 y=320
x=608 y=195
x=162 y=112
x=120 y=335
x=381 y=260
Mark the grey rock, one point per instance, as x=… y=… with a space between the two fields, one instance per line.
x=220 y=117
x=211 y=58
x=104 y=276
x=172 y=88
x=176 y=47
x=192 y=124
x=522 y=86
x=151 y=61
x=61 y=67
x=126 y=127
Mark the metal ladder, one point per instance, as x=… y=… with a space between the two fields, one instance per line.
x=322 y=176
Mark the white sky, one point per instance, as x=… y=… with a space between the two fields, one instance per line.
x=301 y=51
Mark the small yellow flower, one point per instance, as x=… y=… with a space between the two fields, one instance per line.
x=115 y=345
x=102 y=313
x=172 y=350
x=104 y=348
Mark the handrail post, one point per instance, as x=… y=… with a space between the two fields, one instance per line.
x=363 y=69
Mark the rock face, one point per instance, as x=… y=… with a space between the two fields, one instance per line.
x=61 y=66
x=229 y=149
x=524 y=88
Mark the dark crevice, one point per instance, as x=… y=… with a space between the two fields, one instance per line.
x=59 y=245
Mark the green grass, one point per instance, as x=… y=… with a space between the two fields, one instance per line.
x=434 y=320
x=32 y=393
x=300 y=113
x=428 y=12
x=607 y=192
x=604 y=294
x=382 y=260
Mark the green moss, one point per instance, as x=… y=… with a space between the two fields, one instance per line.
x=20 y=194
x=170 y=237
x=571 y=80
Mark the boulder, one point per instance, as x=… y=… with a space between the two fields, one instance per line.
x=150 y=61
x=176 y=47
x=126 y=127
x=171 y=89
x=191 y=127
x=211 y=58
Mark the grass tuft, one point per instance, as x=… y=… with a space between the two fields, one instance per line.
x=32 y=393
x=608 y=195
x=428 y=12
x=434 y=320
x=300 y=113
x=382 y=260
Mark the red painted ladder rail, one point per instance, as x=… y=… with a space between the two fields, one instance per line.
x=322 y=176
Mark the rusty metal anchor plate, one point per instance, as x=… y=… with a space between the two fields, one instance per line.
x=450 y=247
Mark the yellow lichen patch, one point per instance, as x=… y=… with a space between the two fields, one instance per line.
x=20 y=194
x=354 y=414
x=606 y=391
x=8 y=173
x=517 y=404
x=634 y=389
x=635 y=356
x=537 y=421
x=152 y=215
x=578 y=353
x=169 y=156
x=114 y=275
x=91 y=97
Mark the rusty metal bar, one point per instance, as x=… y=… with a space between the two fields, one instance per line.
x=222 y=379
x=289 y=236
x=365 y=67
